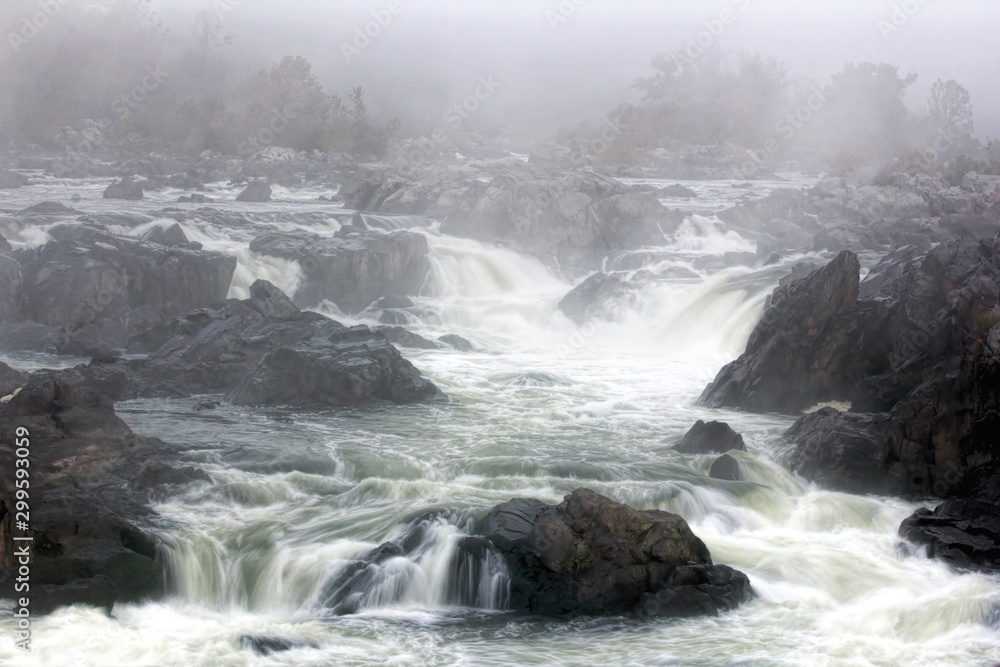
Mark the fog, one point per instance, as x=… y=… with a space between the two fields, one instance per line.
x=561 y=62
x=728 y=72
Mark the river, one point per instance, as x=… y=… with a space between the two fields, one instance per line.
x=541 y=407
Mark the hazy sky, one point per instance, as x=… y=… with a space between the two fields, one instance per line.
x=559 y=62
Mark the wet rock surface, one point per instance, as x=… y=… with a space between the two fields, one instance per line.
x=591 y=555
x=93 y=540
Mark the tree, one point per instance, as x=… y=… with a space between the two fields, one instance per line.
x=950 y=110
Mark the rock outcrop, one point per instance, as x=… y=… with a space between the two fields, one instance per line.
x=97 y=289
x=352 y=269
x=11 y=180
x=265 y=351
x=592 y=555
x=915 y=350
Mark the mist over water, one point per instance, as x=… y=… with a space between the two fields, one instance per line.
x=737 y=98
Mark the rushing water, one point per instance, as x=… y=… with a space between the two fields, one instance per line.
x=541 y=407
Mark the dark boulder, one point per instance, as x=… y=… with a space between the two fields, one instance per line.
x=256 y=192
x=592 y=555
x=711 y=437
x=727 y=468
x=5 y=246
x=394 y=302
x=10 y=180
x=93 y=542
x=597 y=296
x=195 y=199
x=124 y=189
x=354 y=268
x=172 y=236
x=46 y=208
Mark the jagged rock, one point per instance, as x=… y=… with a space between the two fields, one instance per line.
x=794 y=354
x=352 y=269
x=124 y=189
x=391 y=316
x=592 y=555
x=255 y=192
x=10 y=180
x=711 y=437
x=172 y=236
x=93 y=542
x=597 y=296
x=103 y=288
x=727 y=468
x=964 y=532
x=920 y=354
x=4 y=245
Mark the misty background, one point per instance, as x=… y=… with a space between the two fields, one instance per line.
x=206 y=74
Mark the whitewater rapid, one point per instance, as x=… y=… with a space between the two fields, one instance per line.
x=540 y=407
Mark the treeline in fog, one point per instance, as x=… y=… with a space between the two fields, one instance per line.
x=87 y=76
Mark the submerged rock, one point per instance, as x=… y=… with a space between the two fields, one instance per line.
x=597 y=296
x=591 y=555
x=727 y=468
x=266 y=644
x=712 y=437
